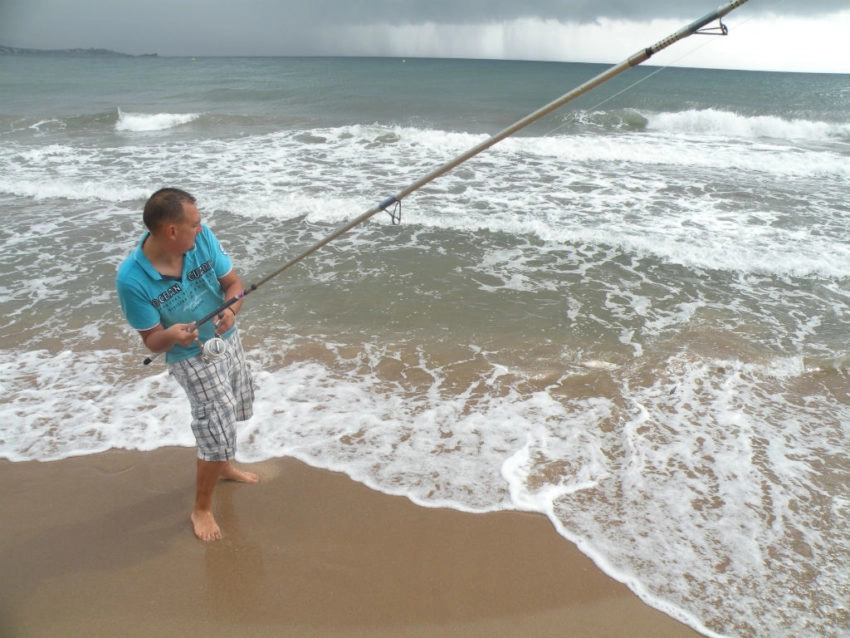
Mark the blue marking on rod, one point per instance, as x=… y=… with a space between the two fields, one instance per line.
x=389 y=201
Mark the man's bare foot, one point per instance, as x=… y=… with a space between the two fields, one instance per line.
x=230 y=473
x=206 y=529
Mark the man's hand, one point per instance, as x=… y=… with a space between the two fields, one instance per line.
x=224 y=321
x=183 y=333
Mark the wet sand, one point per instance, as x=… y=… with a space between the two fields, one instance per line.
x=101 y=545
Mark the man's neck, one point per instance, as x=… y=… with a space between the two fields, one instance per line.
x=164 y=261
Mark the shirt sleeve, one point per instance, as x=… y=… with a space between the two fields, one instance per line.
x=140 y=314
x=221 y=262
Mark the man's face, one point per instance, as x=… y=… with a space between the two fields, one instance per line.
x=188 y=229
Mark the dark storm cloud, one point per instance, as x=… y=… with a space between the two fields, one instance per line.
x=296 y=18
x=473 y=11
x=571 y=30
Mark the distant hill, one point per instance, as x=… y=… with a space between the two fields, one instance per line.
x=4 y=50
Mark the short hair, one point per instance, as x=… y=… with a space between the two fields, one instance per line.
x=165 y=207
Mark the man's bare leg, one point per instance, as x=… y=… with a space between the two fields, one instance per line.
x=209 y=472
x=206 y=529
x=230 y=473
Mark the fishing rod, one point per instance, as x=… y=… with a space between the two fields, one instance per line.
x=696 y=27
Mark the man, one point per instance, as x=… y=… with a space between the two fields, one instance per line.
x=177 y=275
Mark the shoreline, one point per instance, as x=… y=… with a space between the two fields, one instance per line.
x=101 y=545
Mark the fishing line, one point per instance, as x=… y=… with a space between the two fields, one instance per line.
x=395 y=200
x=720 y=30
x=609 y=98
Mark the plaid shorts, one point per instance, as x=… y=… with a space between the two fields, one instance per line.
x=221 y=392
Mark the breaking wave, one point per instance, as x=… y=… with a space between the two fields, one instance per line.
x=145 y=122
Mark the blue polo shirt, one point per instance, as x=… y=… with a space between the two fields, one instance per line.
x=149 y=298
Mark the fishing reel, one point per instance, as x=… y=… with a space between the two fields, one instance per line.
x=213 y=349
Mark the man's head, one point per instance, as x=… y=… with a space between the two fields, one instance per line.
x=165 y=207
x=173 y=219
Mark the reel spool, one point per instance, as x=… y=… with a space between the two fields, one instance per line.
x=214 y=348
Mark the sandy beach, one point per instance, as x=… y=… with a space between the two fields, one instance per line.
x=101 y=545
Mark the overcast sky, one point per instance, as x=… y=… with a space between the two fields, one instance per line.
x=784 y=35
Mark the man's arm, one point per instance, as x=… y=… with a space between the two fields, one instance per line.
x=232 y=286
x=161 y=339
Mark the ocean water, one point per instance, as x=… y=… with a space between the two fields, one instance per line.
x=631 y=317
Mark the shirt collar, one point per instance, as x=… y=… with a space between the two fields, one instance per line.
x=142 y=259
